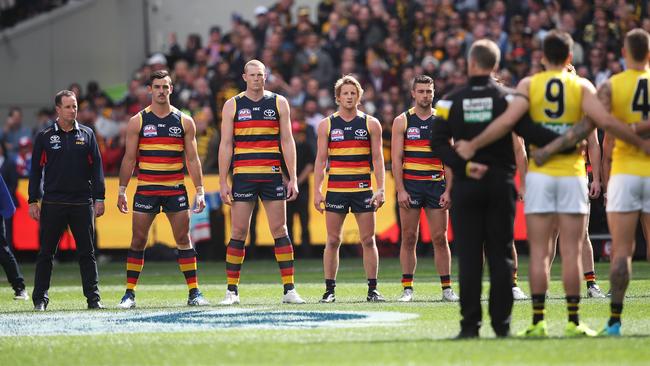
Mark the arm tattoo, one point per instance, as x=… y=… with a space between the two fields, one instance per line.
x=578 y=132
x=604 y=94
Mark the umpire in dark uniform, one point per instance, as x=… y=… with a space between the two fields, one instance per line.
x=483 y=193
x=66 y=158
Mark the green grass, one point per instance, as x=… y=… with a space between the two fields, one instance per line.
x=424 y=340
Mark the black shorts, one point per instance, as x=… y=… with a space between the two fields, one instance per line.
x=152 y=204
x=425 y=193
x=343 y=202
x=244 y=189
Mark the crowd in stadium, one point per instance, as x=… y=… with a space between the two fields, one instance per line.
x=384 y=43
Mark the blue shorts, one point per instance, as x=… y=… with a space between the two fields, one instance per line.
x=244 y=189
x=425 y=193
x=153 y=204
x=343 y=202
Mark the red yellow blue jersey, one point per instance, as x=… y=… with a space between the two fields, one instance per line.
x=349 y=154
x=160 y=154
x=419 y=162
x=257 y=137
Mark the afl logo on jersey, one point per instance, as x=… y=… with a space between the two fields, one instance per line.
x=150 y=131
x=361 y=132
x=413 y=133
x=270 y=113
x=175 y=131
x=244 y=113
x=337 y=135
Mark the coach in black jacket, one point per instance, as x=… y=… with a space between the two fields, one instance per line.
x=66 y=157
x=483 y=194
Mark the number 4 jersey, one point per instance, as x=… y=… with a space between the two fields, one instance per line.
x=556 y=103
x=630 y=104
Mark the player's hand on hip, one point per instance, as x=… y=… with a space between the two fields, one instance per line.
x=319 y=202
x=403 y=199
x=445 y=200
x=292 y=190
x=199 y=200
x=35 y=211
x=476 y=170
x=226 y=194
x=465 y=149
x=378 y=198
x=99 y=208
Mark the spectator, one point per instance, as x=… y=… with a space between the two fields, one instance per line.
x=14 y=130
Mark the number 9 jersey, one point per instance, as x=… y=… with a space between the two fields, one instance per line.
x=556 y=103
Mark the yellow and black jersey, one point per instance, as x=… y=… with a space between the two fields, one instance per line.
x=630 y=104
x=160 y=154
x=349 y=154
x=419 y=161
x=257 y=137
x=556 y=104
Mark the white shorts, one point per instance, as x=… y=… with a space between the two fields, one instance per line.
x=628 y=193
x=550 y=194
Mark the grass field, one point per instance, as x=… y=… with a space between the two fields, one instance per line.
x=421 y=340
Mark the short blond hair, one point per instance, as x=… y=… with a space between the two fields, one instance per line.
x=255 y=63
x=347 y=80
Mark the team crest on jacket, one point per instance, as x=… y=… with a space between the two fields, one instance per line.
x=413 y=133
x=244 y=113
x=337 y=135
x=150 y=131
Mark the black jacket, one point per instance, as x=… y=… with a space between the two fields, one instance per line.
x=467 y=111
x=71 y=164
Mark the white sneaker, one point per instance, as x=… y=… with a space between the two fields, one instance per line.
x=518 y=293
x=595 y=292
x=449 y=295
x=21 y=295
x=127 y=302
x=292 y=297
x=407 y=295
x=230 y=299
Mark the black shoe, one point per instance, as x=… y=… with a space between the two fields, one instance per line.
x=40 y=306
x=95 y=305
x=328 y=297
x=375 y=296
x=467 y=334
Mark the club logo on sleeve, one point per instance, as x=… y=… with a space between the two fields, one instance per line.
x=244 y=114
x=150 y=131
x=412 y=133
x=337 y=134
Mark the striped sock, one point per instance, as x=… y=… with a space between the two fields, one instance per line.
x=590 y=277
x=234 y=258
x=514 y=278
x=187 y=264
x=445 y=281
x=134 y=264
x=538 y=307
x=615 y=313
x=284 y=256
x=572 y=306
x=407 y=281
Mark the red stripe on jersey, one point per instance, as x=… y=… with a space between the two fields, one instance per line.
x=346 y=184
x=160 y=159
x=253 y=124
x=257 y=162
x=349 y=164
x=160 y=178
x=256 y=144
x=417 y=177
x=416 y=142
x=430 y=161
x=161 y=140
x=348 y=144
x=43 y=159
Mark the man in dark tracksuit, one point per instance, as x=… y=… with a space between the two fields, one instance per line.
x=66 y=157
x=483 y=193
